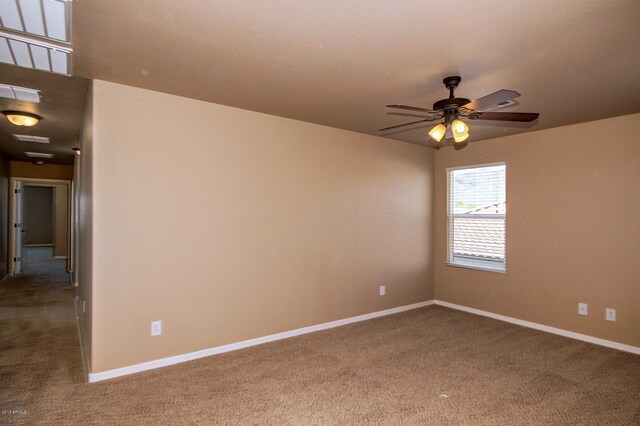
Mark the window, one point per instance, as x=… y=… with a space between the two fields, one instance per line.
x=476 y=216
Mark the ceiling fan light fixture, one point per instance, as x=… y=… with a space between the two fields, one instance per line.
x=437 y=133
x=22 y=119
x=460 y=130
x=459 y=127
x=460 y=138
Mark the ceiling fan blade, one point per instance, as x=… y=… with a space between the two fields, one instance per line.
x=412 y=108
x=493 y=100
x=408 y=114
x=406 y=124
x=505 y=116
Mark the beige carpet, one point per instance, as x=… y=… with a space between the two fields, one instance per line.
x=428 y=366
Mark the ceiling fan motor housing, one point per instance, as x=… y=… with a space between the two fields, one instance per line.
x=450 y=105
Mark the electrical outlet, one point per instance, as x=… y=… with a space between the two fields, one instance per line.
x=156 y=328
x=583 y=309
x=610 y=314
x=383 y=290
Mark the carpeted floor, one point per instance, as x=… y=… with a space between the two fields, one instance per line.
x=428 y=366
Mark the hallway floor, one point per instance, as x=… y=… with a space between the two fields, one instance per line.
x=39 y=345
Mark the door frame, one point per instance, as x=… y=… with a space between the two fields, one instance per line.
x=12 y=218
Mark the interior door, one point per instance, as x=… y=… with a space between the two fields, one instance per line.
x=19 y=232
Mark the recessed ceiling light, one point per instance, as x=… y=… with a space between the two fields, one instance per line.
x=38 y=154
x=19 y=93
x=43 y=18
x=29 y=138
x=34 y=54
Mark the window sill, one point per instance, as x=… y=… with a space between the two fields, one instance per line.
x=478 y=266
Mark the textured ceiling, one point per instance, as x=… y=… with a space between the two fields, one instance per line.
x=339 y=63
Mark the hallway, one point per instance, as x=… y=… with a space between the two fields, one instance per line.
x=38 y=336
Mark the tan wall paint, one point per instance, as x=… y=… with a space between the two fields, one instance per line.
x=4 y=217
x=573 y=228
x=229 y=225
x=83 y=253
x=44 y=171
x=61 y=220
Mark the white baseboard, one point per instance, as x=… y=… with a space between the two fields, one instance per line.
x=548 y=329
x=81 y=337
x=150 y=365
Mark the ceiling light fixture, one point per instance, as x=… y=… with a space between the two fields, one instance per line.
x=22 y=119
x=450 y=109
x=452 y=126
x=460 y=130
x=437 y=133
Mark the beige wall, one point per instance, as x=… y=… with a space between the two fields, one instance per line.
x=229 y=225
x=24 y=169
x=4 y=216
x=82 y=263
x=573 y=228
x=60 y=220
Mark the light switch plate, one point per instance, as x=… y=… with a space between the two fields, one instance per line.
x=156 y=328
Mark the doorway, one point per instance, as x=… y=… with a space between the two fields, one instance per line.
x=39 y=226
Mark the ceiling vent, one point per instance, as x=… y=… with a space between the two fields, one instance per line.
x=38 y=155
x=41 y=18
x=19 y=93
x=34 y=54
x=29 y=138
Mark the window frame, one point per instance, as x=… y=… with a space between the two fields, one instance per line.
x=480 y=262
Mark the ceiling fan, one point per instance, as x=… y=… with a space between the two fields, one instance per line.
x=450 y=110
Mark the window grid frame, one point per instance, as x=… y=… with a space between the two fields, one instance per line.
x=450 y=215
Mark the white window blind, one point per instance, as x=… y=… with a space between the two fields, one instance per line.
x=476 y=216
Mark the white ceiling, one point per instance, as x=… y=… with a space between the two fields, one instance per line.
x=338 y=63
